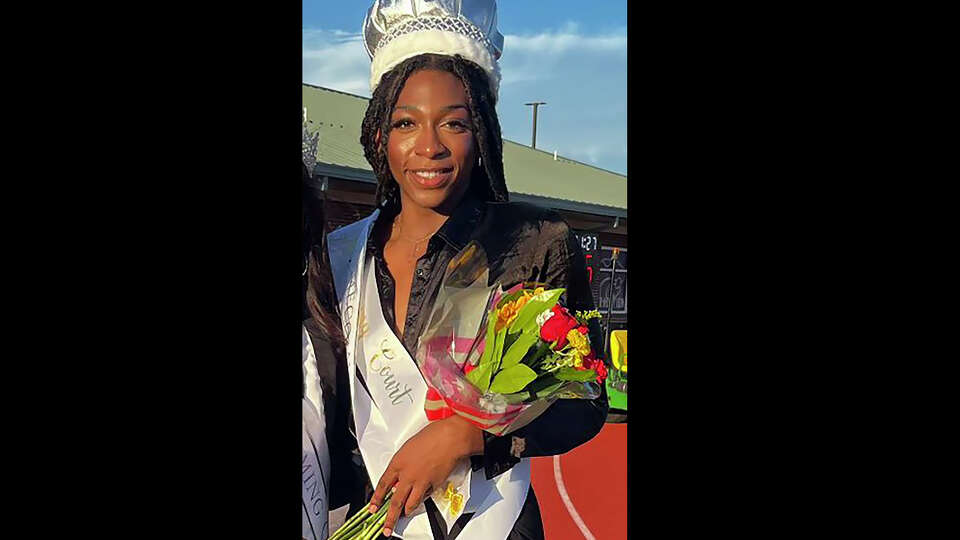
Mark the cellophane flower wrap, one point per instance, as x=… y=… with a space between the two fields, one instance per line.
x=499 y=359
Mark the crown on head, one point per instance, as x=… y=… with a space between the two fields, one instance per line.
x=395 y=30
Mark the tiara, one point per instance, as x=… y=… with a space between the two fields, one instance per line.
x=395 y=30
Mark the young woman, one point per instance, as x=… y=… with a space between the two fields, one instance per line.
x=317 y=400
x=327 y=475
x=432 y=137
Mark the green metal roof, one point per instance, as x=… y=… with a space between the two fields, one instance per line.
x=338 y=116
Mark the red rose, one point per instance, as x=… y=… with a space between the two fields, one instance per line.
x=601 y=370
x=592 y=362
x=556 y=327
x=589 y=360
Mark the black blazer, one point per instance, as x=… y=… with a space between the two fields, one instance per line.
x=523 y=243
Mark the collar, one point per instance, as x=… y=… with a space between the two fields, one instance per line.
x=456 y=231
x=462 y=223
x=379 y=230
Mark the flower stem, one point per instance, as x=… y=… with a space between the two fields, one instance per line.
x=377 y=528
x=371 y=522
x=352 y=530
x=342 y=530
x=360 y=521
x=347 y=525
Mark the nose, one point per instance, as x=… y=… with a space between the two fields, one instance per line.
x=428 y=144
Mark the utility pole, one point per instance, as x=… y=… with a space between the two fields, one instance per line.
x=535 y=104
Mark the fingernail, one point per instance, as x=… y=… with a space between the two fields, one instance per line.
x=387 y=532
x=373 y=509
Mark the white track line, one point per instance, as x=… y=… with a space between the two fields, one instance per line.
x=566 y=500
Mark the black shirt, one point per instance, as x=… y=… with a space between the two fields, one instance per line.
x=523 y=243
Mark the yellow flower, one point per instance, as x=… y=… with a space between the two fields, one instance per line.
x=508 y=313
x=456 y=504
x=577 y=359
x=454 y=499
x=587 y=315
x=579 y=342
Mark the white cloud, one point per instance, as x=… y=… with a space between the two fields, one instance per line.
x=553 y=54
x=554 y=43
x=583 y=79
x=336 y=59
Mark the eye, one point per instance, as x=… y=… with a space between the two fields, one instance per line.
x=458 y=126
x=403 y=123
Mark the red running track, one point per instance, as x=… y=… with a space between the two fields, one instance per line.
x=595 y=479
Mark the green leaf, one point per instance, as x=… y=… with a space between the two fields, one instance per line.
x=546 y=391
x=489 y=341
x=512 y=379
x=518 y=350
x=544 y=385
x=498 y=350
x=509 y=340
x=514 y=399
x=574 y=374
x=527 y=317
x=509 y=298
x=541 y=352
x=480 y=376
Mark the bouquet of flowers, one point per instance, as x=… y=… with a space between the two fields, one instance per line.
x=499 y=359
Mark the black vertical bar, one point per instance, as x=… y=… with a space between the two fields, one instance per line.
x=535 y=107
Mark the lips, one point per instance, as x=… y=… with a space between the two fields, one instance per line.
x=431 y=178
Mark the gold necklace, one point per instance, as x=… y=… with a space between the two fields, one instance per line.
x=416 y=242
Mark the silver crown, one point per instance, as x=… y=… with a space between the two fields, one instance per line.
x=388 y=19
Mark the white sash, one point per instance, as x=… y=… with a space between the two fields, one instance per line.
x=315 y=461
x=398 y=391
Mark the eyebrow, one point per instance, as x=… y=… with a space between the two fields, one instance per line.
x=447 y=108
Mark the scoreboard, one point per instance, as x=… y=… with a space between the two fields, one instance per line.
x=608 y=281
x=590 y=244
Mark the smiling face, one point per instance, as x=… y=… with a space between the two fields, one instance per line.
x=431 y=149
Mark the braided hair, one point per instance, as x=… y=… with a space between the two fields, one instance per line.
x=487 y=182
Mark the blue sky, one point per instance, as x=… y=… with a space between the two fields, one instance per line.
x=573 y=55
